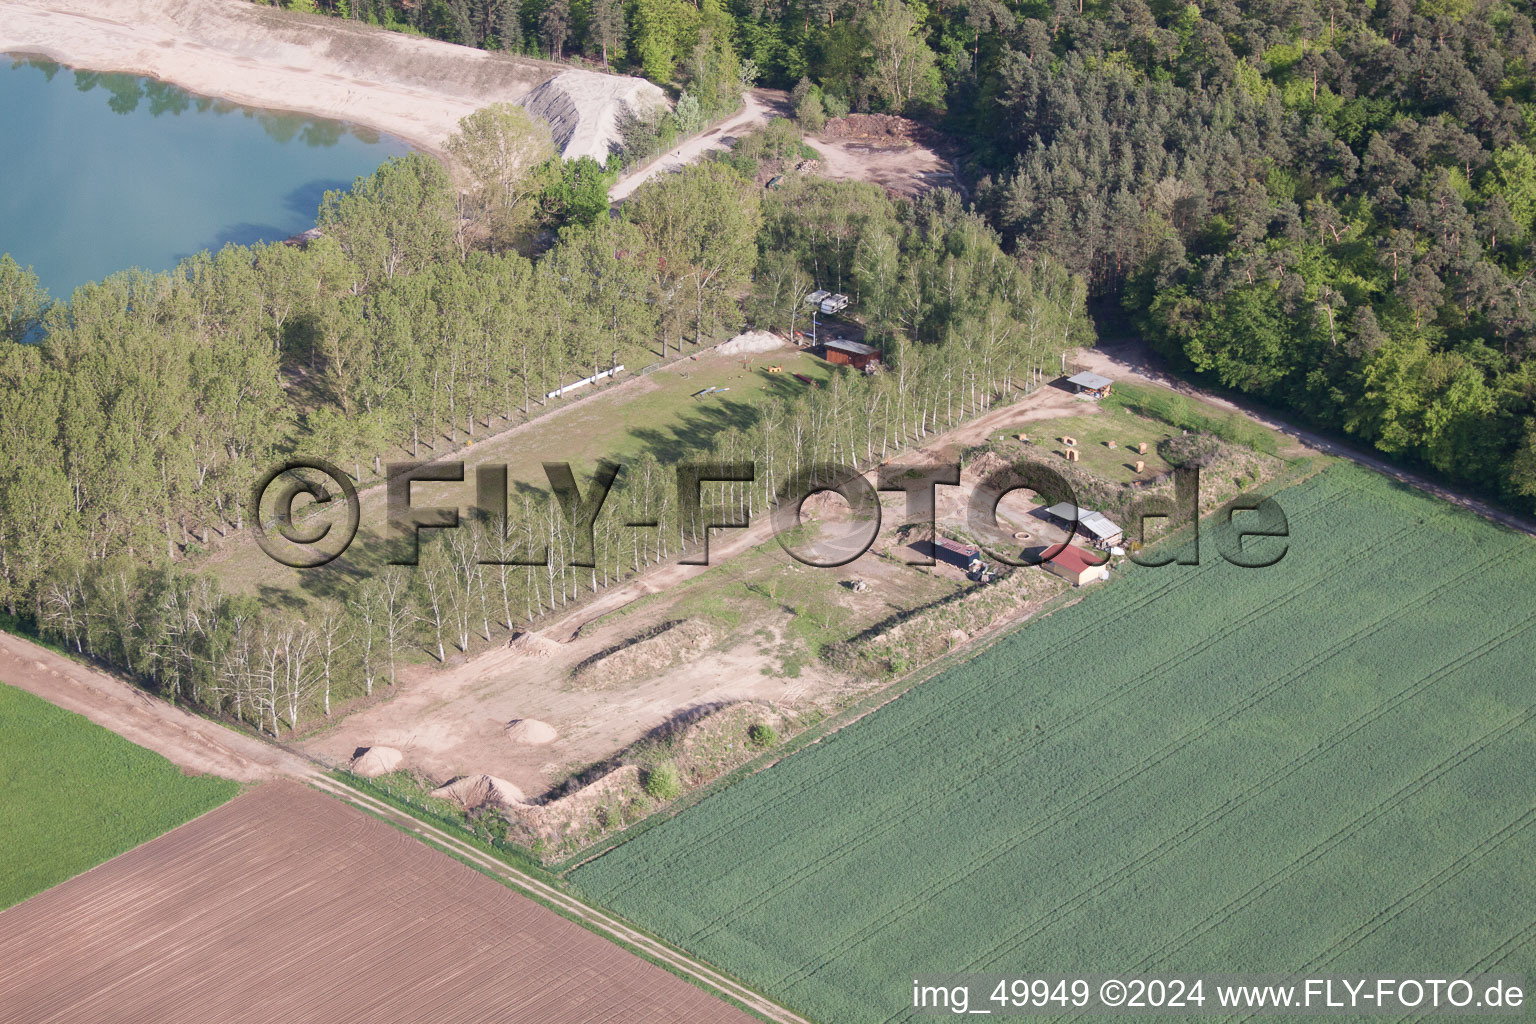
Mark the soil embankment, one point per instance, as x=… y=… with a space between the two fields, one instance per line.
x=416 y=89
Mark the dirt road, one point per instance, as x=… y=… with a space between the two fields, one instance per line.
x=181 y=737
x=758 y=106
x=205 y=746
x=451 y=720
x=1132 y=360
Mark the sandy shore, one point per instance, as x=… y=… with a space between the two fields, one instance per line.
x=412 y=88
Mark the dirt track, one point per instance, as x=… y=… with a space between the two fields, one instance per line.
x=181 y=737
x=1042 y=403
x=450 y=720
x=758 y=106
x=1131 y=359
x=284 y=906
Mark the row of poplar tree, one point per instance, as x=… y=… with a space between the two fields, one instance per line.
x=139 y=412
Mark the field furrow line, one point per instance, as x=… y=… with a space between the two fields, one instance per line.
x=1328 y=845
x=1213 y=817
x=1510 y=830
x=1169 y=750
x=726 y=828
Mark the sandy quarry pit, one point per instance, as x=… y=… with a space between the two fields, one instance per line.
x=414 y=88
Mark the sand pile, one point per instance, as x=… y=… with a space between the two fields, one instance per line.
x=531 y=731
x=533 y=645
x=471 y=791
x=583 y=109
x=752 y=341
x=376 y=761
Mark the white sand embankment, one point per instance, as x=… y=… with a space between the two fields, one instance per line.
x=413 y=88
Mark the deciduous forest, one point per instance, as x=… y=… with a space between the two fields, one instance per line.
x=1330 y=206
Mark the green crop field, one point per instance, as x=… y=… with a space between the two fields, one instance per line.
x=1325 y=765
x=73 y=794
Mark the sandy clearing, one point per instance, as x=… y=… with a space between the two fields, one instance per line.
x=411 y=87
x=451 y=720
x=183 y=738
x=903 y=167
x=906 y=171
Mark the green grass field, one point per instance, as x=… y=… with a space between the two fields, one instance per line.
x=73 y=795
x=1092 y=431
x=1325 y=765
x=663 y=418
x=1192 y=413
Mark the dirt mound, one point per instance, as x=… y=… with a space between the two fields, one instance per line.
x=987 y=464
x=533 y=645
x=375 y=761
x=587 y=797
x=718 y=741
x=885 y=129
x=583 y=109
x=570 y=811
x=752 y=341
x=531 y=731
x=471 y=791
x=675 y=643
x=1189 y=449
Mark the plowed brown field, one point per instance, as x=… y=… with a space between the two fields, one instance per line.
x=287 y=905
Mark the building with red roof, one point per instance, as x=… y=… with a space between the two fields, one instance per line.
x=1072 y=564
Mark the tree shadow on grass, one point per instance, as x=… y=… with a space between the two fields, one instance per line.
x=697 y=429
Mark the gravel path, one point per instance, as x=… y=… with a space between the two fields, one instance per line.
x=1131 y=360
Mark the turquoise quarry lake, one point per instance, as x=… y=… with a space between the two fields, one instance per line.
x=105 y=172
